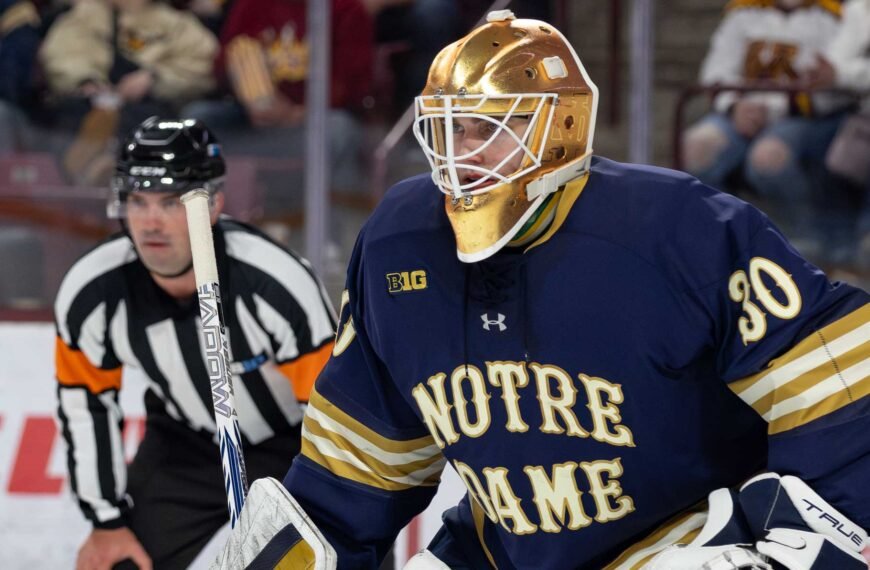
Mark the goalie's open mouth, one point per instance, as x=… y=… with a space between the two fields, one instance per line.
x=476 y=181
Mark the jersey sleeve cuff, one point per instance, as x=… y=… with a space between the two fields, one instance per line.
x=112 y=524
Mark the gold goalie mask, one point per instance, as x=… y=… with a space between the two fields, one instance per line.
x=506 y=119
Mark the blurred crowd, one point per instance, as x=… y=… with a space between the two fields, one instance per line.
x=805 y=145
x=76 y=75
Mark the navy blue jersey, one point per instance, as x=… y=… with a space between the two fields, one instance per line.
x=661 y=340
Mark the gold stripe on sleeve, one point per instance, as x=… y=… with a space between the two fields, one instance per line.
x=379 y=467
x=809 y=380
x=347 y=470
x=843 y=397
x=824 y=372
x=349 y=449
x=833 y=331
x=335 y=413
x=680 y=529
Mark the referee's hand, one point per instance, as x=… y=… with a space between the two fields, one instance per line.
x=105 y=547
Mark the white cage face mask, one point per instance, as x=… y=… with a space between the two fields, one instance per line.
x=470 y=151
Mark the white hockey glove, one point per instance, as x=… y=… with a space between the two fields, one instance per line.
x=273 y=531
x=425 y=560
x=725 y=542
x=797 y=528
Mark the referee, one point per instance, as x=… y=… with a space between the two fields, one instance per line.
x=131 y=301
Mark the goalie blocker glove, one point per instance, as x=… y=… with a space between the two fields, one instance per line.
x=274 y=532
x=797 y=528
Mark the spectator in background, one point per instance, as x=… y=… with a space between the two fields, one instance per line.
x=846 y=64
x=19 y=40
x=471 y=11
x=778 y=139
x=110 y=64
x=212 y=13
x=263 y=64
x=422 y=28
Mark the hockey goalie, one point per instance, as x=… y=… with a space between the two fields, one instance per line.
x=626 y=368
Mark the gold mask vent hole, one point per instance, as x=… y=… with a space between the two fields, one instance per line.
x=569 y=121
x=531 y=73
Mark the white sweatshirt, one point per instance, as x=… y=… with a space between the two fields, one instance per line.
x=757 y=40
x=849 y=52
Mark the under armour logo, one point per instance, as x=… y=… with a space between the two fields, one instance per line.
x=487 y=322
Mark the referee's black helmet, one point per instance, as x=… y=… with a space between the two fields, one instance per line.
x=166 y=155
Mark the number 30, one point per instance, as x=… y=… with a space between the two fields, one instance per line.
x=753 y=325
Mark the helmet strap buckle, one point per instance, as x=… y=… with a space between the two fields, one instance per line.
x=552 y=181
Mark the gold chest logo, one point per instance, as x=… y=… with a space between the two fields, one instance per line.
x=405 y=281
x=770 y=60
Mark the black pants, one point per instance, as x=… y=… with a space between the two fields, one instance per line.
x=177 y=487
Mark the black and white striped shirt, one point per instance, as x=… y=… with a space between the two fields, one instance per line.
x=110 y=313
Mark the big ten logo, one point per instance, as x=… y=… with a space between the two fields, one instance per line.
x=38 y=466
x=782 y=301
x=406 y=281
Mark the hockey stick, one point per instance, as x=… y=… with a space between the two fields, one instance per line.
x=196 y=203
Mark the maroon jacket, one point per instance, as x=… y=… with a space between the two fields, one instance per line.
x=281 y=26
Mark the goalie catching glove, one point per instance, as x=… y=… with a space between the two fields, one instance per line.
x=795 y=527
x=274 y=532
x=774 y=522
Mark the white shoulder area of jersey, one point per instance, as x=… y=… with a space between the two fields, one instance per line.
x=97 y=262
x=295 y=275
x=261 y=253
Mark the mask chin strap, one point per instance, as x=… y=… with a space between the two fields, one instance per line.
x=552 y=181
